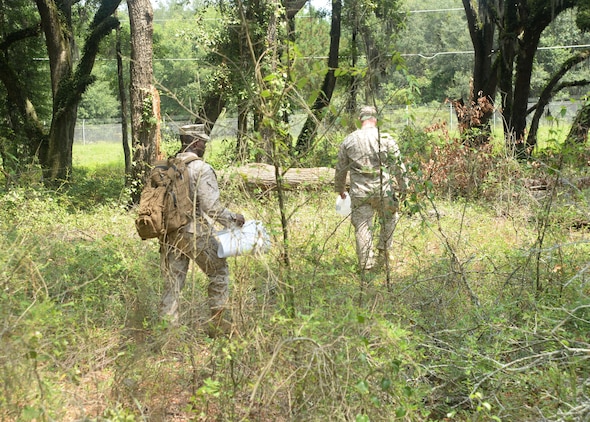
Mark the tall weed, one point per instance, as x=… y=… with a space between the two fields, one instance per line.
x=455 y=327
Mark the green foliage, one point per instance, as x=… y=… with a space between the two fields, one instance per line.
x=81 y=337
x=434 y=44
x=170 y=144
x=481 y=315
x=563 y=31
x=23 y=58
x=98 y=102
x=583 y=15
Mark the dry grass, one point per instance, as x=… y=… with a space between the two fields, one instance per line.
x=80 y=337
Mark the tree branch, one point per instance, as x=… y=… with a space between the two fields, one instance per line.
x=20 y=35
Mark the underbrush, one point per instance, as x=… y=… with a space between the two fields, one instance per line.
x=483 y=314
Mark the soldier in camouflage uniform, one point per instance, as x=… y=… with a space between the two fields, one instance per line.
x=377 y=181
x=196 y=240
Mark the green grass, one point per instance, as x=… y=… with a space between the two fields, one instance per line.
x=98 y=155
x=482 y=316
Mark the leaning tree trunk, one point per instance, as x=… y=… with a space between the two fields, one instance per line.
x=525 y=23
x=144 y=97
x=325 y=96
x=124 y=105
x=550 y=89
x=351 y=102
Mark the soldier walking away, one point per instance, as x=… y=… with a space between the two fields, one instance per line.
x=195 y=241
x=377 y=184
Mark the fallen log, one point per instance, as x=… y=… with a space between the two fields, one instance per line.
x=260 y=175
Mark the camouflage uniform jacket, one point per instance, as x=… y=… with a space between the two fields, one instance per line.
x=204 y=191
x=361 y=153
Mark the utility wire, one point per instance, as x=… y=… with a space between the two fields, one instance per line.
x=427 y=56
x=454 y=9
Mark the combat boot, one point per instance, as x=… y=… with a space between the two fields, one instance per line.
x=384 y=256
x=218 y=326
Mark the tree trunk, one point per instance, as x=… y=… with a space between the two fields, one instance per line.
x=307 y=134
x=124 y=105
x=375 y=64
x=479 y=106
x=212 y=108
x=481 y=31
x=550 y=89
x=351 y=103
x=578 y=134
x=522 y=89
x=57 y=26
x=22 y=118
x=262 y=176
x=292 y=7
x=143 y=95
x=523 y=24
x=67 y=86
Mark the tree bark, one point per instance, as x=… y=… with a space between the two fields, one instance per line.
x=68 y=86
x=143 y=95
x=262 y=176
x=212 y=107
x=578 y=134
x=351 y=101
x=304 y=141
x=57 y=26
x=522 y=89
x=485 y=79
x=549 y=91
x=481 y=31
x=124 y=106
x=22 y=118
x=534 y=19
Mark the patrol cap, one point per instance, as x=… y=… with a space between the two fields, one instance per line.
x=196 y=131
x=367 y=112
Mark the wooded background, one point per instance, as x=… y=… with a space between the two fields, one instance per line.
x=264 y=62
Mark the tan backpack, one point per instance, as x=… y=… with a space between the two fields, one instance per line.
x=165 y=204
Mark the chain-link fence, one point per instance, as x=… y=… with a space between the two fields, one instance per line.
x=226 y=128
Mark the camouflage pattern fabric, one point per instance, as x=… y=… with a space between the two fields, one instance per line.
x=196 y=242
x=372 y=161
x=377 y=175
x=175 y=254
x=362 y=217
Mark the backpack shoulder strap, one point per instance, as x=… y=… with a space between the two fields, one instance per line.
x=191 y=159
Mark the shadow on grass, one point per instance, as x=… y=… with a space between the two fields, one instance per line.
x=99 y=186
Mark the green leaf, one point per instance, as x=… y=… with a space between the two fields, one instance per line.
x=30 y=413
x=362 y=387
x=302 y=82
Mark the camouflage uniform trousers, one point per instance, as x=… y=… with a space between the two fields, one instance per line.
x=175 y=253
x=362 y=218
